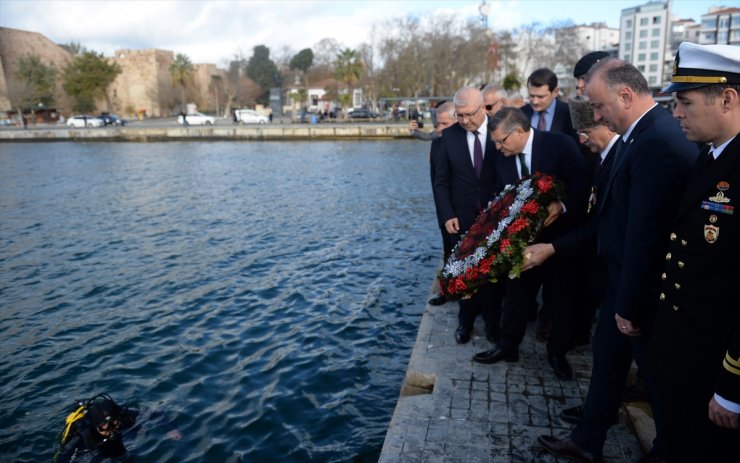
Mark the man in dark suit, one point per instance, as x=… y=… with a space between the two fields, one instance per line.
x=547 y=112
x=445 y=117
x=695 y=350
x=633 y=213
x=524 y=151
x=463 y=185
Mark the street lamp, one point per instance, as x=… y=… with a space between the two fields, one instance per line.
x=484 y=9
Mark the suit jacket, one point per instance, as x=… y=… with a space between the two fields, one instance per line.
x=561 y=121
x=698 y=324
x=554 y=154
x=585 y=235
x=457 y=190
x=640 y=199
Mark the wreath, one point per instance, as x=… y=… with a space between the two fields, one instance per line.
x=493 y=246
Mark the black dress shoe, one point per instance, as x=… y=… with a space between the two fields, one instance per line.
x=495 y=355
x=567 y=448
x=560 y=366
x=437 y=300
x=574 y=415
x=462 y=335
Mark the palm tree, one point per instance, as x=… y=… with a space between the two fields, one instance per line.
x=182 y=70
x=349 y=67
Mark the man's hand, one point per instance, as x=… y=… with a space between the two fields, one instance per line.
x=723 y=417
x=537 y=254
x=554 y=210
x=452 y=226
x=413 y=125
x=626 y=327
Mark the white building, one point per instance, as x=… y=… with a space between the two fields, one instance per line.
x=721 y=25
x=645 y=41
x=597 y=37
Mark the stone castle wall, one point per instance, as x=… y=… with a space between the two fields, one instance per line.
x=145 y=83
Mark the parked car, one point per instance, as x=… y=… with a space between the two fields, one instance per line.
x=250 y=116
x=197 y=119
x=362 y=114
x=85 y=121
x=112 y=119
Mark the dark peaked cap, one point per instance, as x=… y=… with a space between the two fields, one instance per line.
x=588 y=60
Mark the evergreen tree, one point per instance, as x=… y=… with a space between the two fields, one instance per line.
x=34 y=83
x=88 y=77
x=263 y=71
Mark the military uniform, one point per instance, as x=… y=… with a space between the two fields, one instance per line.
x=695 y=350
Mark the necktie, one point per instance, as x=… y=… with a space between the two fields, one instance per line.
x=477 y=155
x=523 y=165
x=542 y=123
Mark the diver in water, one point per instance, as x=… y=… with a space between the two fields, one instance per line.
x=97 y=426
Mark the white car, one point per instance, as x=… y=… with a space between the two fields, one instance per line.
x=85 y=121
x=197 y=119
x=250 y=116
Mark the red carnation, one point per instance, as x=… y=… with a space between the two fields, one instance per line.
x=506 y=246
x=544 y=184
x=518 y=225
x=531 y=207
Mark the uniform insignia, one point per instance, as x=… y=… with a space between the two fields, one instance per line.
x=714 y=207
x=719 y=198
x=591 y=200
x=713 y=218
x=711 y=233
x=723 y=186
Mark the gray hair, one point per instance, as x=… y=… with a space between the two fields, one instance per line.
x=496 y=90
x=617 y=73
x=508 y=119
x=448 y=108
x=467 y=95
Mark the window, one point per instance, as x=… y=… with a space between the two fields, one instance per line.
x=643 y=33
x=653 y=68
x=628 y=46
x=642 y=45
x=656 y=32
x=628 y=24
x=709 y=23
x=655 y=44
x=626 y=58
x=653 y=80
x=641 y=57
x=641 y=67
x=709 y=36
x=724 y=22
x=722 y=37
x=654 y=56
x=644 y=21
x=656 y=19
x=628 y=35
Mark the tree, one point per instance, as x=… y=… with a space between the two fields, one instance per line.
x=34 y=83
x=302 y=60
x=182 y=70
x=88 y=77
x=263 y=71
x=349 y=67
x=73 y=48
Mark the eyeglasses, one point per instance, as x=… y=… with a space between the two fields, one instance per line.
x=468 y=115
x=491 y=106
x=503 y=140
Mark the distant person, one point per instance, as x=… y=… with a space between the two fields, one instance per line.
x=269 y=116
x=97 y=426
x=184 y=118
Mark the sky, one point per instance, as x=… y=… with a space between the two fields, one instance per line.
x=217 y=30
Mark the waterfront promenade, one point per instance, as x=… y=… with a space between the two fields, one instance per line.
x=224 y=129
x=453 y=410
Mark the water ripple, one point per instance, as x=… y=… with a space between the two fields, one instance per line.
x=265 y=295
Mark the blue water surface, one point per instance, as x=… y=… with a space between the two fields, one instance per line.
x=266 y=295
